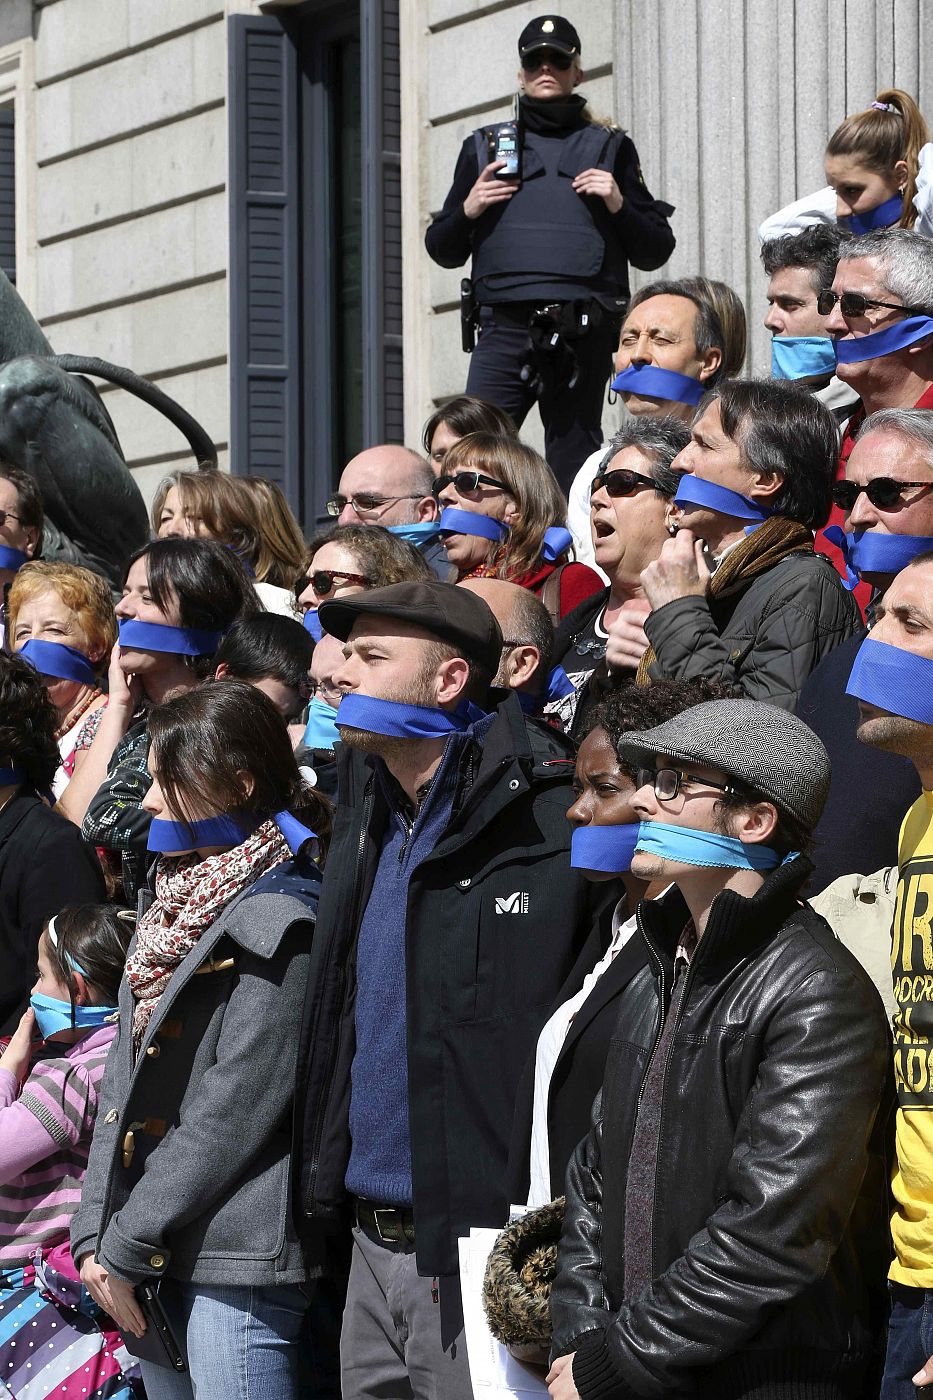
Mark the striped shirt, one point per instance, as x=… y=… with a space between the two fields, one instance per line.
x=45 y=1137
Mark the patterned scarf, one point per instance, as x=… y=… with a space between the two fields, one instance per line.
x=190 y=894
x=760 y=550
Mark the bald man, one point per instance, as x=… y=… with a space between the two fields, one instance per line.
x=390 y=486
x=527 y=631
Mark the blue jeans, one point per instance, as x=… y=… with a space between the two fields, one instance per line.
x=910 y=1342
x=242 y=1343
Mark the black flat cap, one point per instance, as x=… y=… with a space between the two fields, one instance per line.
x=451 y=614
x=549 y=32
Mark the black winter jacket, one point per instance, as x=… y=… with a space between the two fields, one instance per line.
x=44 y=865
x=496 y=918
x=770 y=1205
x=765 y=637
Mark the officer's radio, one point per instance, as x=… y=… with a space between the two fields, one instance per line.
x=504 y=144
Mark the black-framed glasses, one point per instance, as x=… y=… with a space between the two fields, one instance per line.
x=667 y=782
x=6 y=515
x=621 y=482
x=531 y=62
x=854 y=304
x=465 y=482
x=363 y=503
x=884 y=492
x=324 y=580
x=327 y=691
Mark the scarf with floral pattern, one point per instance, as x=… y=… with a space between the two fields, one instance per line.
x=190 y=895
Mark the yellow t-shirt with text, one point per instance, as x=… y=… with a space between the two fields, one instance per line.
x=912 y=965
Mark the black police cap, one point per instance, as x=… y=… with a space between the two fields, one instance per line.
x=451 y=614
x=549 y=32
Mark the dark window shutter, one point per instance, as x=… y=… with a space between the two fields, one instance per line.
x=383 y=393
x=394 y=407
x=264 y=312
x=7 y=193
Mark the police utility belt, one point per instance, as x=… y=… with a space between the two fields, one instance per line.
x=564 y=320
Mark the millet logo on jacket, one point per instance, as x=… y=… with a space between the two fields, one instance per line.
x=516 y=903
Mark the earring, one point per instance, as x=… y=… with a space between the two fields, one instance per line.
x=671 y=528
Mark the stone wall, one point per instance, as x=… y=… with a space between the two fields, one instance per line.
x=129 y=217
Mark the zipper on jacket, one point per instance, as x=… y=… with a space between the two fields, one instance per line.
x=368 y=803
x=667 y=1065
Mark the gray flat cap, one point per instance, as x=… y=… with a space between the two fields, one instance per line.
x=766 y=749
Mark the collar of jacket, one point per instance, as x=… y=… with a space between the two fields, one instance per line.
x=532 y=752
x=258 y=918
x=737 y=925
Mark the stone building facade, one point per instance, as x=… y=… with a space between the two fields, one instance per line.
x=231 y=198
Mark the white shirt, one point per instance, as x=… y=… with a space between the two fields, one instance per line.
x=550 y=1044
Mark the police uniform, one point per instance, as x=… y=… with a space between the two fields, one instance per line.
x=548 y=246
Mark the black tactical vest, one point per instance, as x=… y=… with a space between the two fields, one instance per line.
x=546 y=229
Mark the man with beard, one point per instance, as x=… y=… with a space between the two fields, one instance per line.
x=449 y=918
x=892 y=679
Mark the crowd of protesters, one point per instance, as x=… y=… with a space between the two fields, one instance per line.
x=557 y=864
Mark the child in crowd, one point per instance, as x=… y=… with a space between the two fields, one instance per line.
x=54 y=1340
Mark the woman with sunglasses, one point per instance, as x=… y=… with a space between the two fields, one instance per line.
x=503 y=516
x=630 y=505
x=550 y=245
x=345 y=559
x=188 y=1174
x=879 y=173
x=179 y=598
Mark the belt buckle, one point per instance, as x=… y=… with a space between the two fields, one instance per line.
x=384 y=1210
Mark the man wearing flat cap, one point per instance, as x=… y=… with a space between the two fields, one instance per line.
x=449 y=918
x=550 y=248
x=725 y=1229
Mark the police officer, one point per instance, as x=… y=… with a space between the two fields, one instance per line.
x=551 y=248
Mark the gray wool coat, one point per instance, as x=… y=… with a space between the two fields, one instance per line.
x=188 y=1174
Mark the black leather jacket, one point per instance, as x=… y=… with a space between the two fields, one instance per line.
x=770 y=1205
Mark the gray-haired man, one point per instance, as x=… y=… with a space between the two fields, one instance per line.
x=725 y=1223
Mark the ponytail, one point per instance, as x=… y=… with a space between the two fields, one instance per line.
x=892 y=129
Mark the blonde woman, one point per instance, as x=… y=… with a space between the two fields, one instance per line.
x=248 y=515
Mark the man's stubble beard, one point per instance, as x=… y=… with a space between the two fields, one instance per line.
x=894 y=734
x=387 y=746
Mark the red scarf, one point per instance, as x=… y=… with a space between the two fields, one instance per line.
x=190 y=894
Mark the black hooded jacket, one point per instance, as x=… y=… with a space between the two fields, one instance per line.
x=496 y=918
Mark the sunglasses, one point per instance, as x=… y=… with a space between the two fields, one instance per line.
x=621 y=482
x=854 y=304
x=363 y=503
x=667 y=782
x=531 y=62
x=324 y=580
x=884 y=492
x=465 y=482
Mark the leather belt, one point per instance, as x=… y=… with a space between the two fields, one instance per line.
x=519 y=313
x=390 y=1225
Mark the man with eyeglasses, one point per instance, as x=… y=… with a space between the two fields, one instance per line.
x=725 y=1226
x=879 y=309
x=391 y=486
x=550 y=249
x=886 y=501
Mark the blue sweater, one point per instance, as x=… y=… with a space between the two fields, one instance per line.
x=380 y=1159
